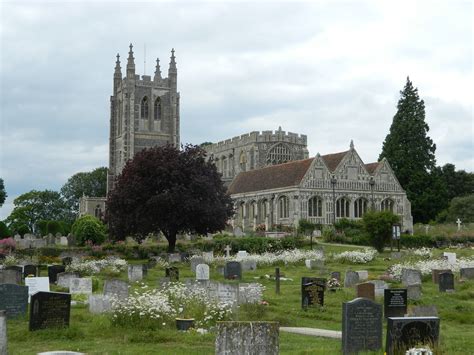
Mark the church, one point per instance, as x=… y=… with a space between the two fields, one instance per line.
x=269 y=175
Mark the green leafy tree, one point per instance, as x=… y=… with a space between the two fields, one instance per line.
x=458 y=182
x=378 y=225
x=5 y=232
x=462 y=208
x=168 y=190
x=89 y=228
x=3 y=194
x=35 y=205
x=411 y=153
x=92 y=183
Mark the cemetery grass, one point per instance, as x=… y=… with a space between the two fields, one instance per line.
x=94 y=334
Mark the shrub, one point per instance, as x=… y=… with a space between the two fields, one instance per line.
x=21 y=229
x=88 y=228
x=378 y=225
x=42 y=227
x=54 y=227
x=306 y=227
x=4 y=231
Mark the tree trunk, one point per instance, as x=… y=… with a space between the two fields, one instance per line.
x=171 y=237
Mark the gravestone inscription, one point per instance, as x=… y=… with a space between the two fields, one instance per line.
x=312 y=291
x=36 y=284
x=228 y=293
x=49 y=310
x=13 y=299
x=361 y=326
x=395 y=302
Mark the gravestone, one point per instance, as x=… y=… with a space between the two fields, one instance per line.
x=227 y=251
x=238 y=232
x=195 y=261
x=414 y=292
x=446 y=282
x=13 y=299
x=250 y=293
x=3 y=333
x=314 y=263
x=80 y=286
x=208 y=256
x=241 y=254
x=404 y=333
x=99 y=304
x=395 y=302
x=250 y=338
x=366 y=290
x=228 y=293
x=64 y=278
x=277 y=280
x=23 y=244
x=10 y=277
x=450 y=257
x=363 y=275
x=424 y=311
x=312 y=291
x=435 y=274
x=36 y=284
x=232 y=270
x=30 y=270
x=172 y=273
x=184 y=256
x=38 y=243
x=63 y=241
x=379 y=286
x=467 y=273
x=135 y=273
x=174 y=258
x=66 y=260
x=53 y=272
x=116 y=288
x=411 y=277
x=361 y=326
x=351 y=279
x=336 y=275
x=15 y=267
x=49 y=310
x=202 y=272
x=249 y=264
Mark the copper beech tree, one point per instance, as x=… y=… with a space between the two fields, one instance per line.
x=169 y=190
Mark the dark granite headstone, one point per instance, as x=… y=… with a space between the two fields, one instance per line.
x=435 y=274
x=446 y=281
x=233 y=270
x=395 y=302
x=467 y=273
x=366 y=290
x=30 y=270
x=172 y=273
x=312 y=291
x=404 y=333
x=10 y=277
x=13 y=299
x=361 y=326
x=336 y=275
x=53 y=272
x=49 y=310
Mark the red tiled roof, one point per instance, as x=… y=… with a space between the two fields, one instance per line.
x=371 y=167
x=271 y=177
x=333 y=160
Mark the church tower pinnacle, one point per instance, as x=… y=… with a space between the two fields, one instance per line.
x=172 y=69
x=157 y=70
x=131 y=64
x=117 y=73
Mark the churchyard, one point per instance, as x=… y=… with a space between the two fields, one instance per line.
x=117 y=306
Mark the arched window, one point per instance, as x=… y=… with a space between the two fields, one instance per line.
x=243 y=161
x=263 y=209
x=342 y=207
x=253 y=209
x=283 y=207
x=279 y=154
x=224 y=166
x=157 y=111
x=242 y=210
x=98 y=211
x=360 y=207
x=144 y=108
x=315 y=207
x=387 y=205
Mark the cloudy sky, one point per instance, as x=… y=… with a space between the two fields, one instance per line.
x=330 y=70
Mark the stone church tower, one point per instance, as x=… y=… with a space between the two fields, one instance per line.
x=144 y=112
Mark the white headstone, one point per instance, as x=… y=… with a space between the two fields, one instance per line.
x=250 y=293
x=135 y=273
x=241 y=254
x=227 y=251
x=208 y=256
x=202 y=272
x=63 y=241
x=36 y=284
x=3 y=333
x=64 y=278
x=80 y=286
x=451 y=257
x=228 y=293
x=363 y=275
x=249 y=264
x=99 y=304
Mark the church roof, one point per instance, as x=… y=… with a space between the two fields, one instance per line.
x=371 y=167
x=333 y=160
x=270 y=177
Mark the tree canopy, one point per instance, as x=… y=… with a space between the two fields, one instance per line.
x=3 y=193
x=169 y=190
x=93 y=183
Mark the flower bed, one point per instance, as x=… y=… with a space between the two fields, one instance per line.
x=356 y=256
x=92 y=267
x=426 y=266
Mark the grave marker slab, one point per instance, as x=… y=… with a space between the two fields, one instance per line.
x=36 y=284
x=379 y=286
x=450 y=257
x=435 y=274
x=208 y=256
x=135 y=273
x=49 y=310
x=202 y=272
x=172 y=273
x=366 y=290
x=351 y=279
x=361 y=326
x=3 y=333
x=414 y=292
x=250 y=293
x=395 y=302
x=64 y=278
x=30 y=270
x=424 y=311
x=116 y=288
x=249 y=265
x=80 y=286
x=467 y=273
x=232 y=270
x=446 y=282
x=10 y=277
x=411 y=277
x=195 y=261
x=363 y=275
x=99 y=304
x=53 y=272
x=13 y=299
x=404 y=333
x=228 y=293
x=241 y=254
x=312 y=291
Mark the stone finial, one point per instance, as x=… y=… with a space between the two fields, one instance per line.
x=157 y=70
x=352 y=145
x=172 y=68
x=131 y=63
x=118 y=69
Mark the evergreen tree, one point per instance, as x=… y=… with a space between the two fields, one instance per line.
x=411 y=154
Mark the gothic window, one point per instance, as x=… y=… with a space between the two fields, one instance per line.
x=144 y=108
x=315 y=207
x=243 y=161
x=263 y=209
x=342 y=207
x=283 y=207
x=360 y=207
x=387 y=205
x=253 y=209
x=279 y=154
x=241 y=210
x=157 y=111
x=224 y=167
x=98 y=211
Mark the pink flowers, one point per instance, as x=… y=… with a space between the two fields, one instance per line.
x=7 y=245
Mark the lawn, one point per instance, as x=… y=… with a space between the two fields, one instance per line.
x=94 y=334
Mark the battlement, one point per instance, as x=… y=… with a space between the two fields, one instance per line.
x=259 y=137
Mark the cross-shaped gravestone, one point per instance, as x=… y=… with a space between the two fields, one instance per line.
x=427 y=228
x=227 y=251
x=459 y=224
